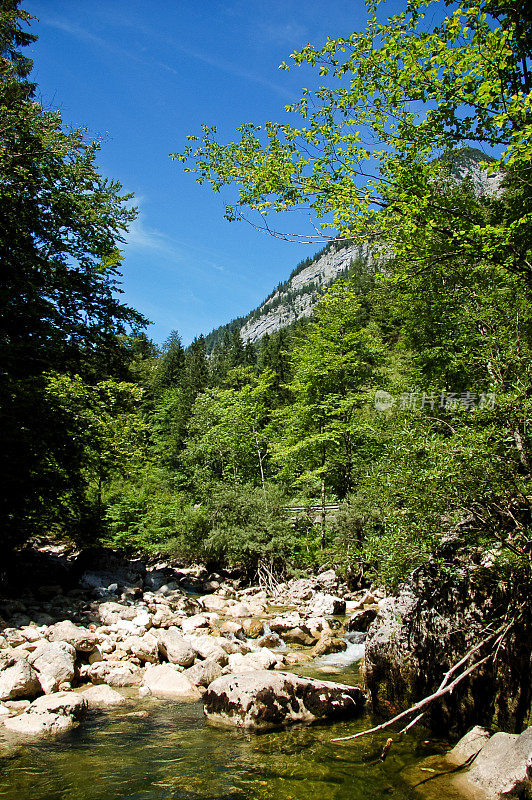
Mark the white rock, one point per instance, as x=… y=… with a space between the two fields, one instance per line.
x=116 y=673
x=18 y=680
x=55 y=664
x=102 y=695
x=164 y=681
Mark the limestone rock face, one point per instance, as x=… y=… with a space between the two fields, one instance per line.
x=18 y=680
x=263 y=700
x=164 y=681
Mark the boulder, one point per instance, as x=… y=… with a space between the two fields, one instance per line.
x=238 y=610
x=269 y=640
x=55 y=664
x=114 y=673
x=164 y=617
x=213 y=602
x=194 y=622
x=213 y=647
x=102 y=695
x=298 y=636
x=203 y=672
x=260 y=660
x=145 y=648
x=175 y=649
x=503 y=767
x=253 y=628
x=48 y=715
x=285 y=622
x=361 y=620
x=324 y=605
x=328 y=643
x=433 y=621
x=83 y=640
x=164 y=681
x=18 y=679
x=264 y=700
x=110 y=613
x=469 y=745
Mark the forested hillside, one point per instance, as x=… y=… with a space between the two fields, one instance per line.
x=405 y=397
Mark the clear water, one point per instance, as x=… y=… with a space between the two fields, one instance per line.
x=156 y=750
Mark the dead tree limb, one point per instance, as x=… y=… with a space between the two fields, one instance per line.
x=443 y=689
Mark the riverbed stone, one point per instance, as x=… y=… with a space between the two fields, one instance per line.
x=164 y=681
x=264 y=700
x=101 y=696
x=260 y=660
x=328 y=643
x=213 y=602
x=145 y=648
x=18 y=679
x=82 y=639
x=55 y=664
x=51 y=714
x=327 y=605
x=361 y=620
x=175 y=648
x=503 y=767
x=114 y=673
x=253 y=627
x=203 y=672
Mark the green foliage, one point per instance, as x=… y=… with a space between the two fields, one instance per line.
x=247 y=526
x=61 y=224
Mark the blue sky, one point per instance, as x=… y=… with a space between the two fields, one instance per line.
x=142 y=74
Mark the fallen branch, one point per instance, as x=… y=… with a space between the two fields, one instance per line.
x=443 y=689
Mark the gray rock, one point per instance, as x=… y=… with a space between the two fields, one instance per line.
x=164 y=681
x=173 y=647
x=250 y=662
x=110 y=613
x=55 y=664
x=469 y=745
x=503 y=768
x=203 y=672
x=327 y=605
x=145 y=648
x=18 y=679
x=264 y=700
x=83 y=640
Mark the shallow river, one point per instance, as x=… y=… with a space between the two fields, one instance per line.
x=156 y=750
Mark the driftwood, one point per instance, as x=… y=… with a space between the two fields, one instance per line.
x=444 y=688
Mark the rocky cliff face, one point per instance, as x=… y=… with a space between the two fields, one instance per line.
x=295 y=298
